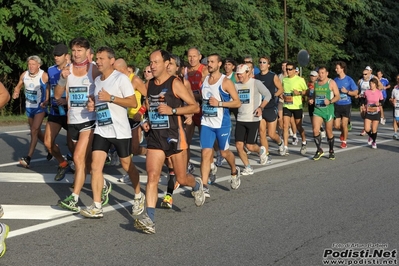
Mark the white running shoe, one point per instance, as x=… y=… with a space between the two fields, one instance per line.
x=263 y=155
x=235 y=180
x=247 y=171
x=125 y=179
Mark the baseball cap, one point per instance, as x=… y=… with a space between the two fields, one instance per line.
x=314 y=73
x=368 y=68
x=60 y=49
x=242 y=69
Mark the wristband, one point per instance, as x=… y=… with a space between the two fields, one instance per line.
x=142 y=110
x=220 y=104
x=62 y=82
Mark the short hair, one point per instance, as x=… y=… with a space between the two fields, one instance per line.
x=79 y=41
x=177 y=59
x=291 y=64
x=218 y=57
x=35 y=58
x=342 y=65
x=322 y=67
x=248 y=57
x=109 y=50
x=267 y=58
x=194 y=48
x=230 y=60
x=284 y=62
x=250 y=63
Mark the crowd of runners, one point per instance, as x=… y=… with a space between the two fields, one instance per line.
x=107 y=111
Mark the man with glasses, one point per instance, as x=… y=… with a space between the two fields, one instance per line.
x=294 y=88
x=269 y=113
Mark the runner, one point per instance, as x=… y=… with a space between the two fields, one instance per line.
x=218 y=94
x=35 y=82
x=57 y=118
x=250 y=91
x=373 y=100
x=325 y=94
x=269 y=114
x=113 y=94
x=166 y=95
x=342 y=108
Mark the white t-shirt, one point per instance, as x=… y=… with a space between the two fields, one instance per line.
x=112 y=120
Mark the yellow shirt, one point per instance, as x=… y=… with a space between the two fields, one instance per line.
x=132 y=111
x=291 y=101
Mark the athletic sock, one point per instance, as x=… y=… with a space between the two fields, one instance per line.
x=98 y=205
x=75 y=196
x=331 y=144
x=137 y=196
x=151 y=213
x=374 y=136
x=317 y=141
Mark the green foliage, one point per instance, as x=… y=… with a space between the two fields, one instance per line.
x=356 y=31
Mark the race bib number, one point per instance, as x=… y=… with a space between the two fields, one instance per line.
x=78 y=96
x=343 y=96
x=319 y=101
x=397 y=105
x=288 y=98
x=103 y=115
x=372 y=109
x=244 y=96
x=31 y=96
x=157 y=120
x=208 y=110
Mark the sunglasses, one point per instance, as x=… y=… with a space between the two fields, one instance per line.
x=246 y=62
x=289 y=69
x=147 y=71
x=263 y=62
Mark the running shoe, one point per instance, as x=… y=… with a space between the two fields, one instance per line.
x=247 y=171
x=61 y=171
x=4 y=229
x=343 y=145
x=382 y=121
x=206 y=192
x=374 y=145
x=212 y=174
x=167 y=202
x=318 y=155
x=331 y=156
x=341 y=137
x=395 y=136
x=269 y=159
x=190 y=168
x=25 y=162
x=138 y=205
x=303 y=149
x=262 y=155
x=92 y=212
x=199 y=196
x=177 y=185
x=69 y=203
x=145 y=224
x=323 y=134
x=1 y=211
x=220 y=160
x=369 y=141
x=70 y=162
x=235 y=180
x=125 y=179
x=285 y=151
x=107 y=188
x=363 y=133
x=349 y=127
x=281 y=148
x=294 y=141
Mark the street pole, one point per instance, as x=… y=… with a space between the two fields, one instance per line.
x=285 y=31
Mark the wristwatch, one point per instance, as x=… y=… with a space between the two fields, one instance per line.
x=112 y=99
x=174 y=111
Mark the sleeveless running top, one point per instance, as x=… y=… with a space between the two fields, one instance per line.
x=79 y=89
x=35 y=89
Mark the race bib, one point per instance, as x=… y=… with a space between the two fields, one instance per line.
x=343 y=96
x=288 y=98
x=157 y=120
x=245 y=96
x=208 y=110
x=103 y=115
x=319 y=101
x=31 y=96
x=372 y=109
x=78 y=96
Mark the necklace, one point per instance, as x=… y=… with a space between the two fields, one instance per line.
x=33 y=75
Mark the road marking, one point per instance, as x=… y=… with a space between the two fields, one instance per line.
x=74 y=217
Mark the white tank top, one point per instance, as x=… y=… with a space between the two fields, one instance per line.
x=34 y=89
x=79 y=88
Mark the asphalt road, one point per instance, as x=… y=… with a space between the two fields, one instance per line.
x=288 y=213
